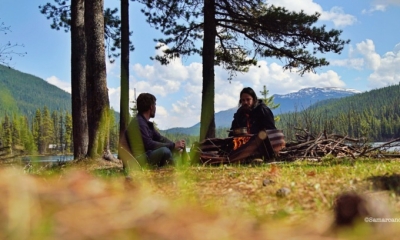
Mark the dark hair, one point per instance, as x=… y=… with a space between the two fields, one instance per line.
x=251 y=92
x=144 y=101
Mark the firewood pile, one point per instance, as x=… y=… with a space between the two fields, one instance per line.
x=314 y=148
x=306 y=146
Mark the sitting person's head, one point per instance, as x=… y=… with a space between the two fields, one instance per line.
x=146 y=102
x=248 y=98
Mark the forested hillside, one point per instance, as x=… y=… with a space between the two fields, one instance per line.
x=374 y=115
x=24 y=93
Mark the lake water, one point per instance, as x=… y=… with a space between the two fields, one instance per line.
x=389 y=149
x=53 y=158
x=57 y=158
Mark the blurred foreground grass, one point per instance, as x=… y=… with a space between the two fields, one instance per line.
x=85 y=201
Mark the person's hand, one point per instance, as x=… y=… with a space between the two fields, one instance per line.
x=180 y=144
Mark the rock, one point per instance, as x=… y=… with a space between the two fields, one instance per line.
x=283 y=192
x=267 y=182
x=257 y=161
x=107 y=155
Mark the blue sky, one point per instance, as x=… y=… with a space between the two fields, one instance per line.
x=370 y=61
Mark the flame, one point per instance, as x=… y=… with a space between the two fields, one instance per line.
x=239 y=141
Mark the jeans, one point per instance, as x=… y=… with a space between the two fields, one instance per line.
x=160 y=157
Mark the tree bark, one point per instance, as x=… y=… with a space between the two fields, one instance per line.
x=124 y=100
x=78 y=80
x=207 y=126
x=96 y=82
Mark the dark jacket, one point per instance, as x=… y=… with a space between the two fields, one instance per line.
x=143 y=137
x=258 y=118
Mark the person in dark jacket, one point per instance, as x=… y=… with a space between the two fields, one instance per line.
x=147 y=145
x=252 y=114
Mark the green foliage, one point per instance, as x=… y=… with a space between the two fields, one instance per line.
x=68 y=132
x=7 y=101
x=60 y=14
x=269 y=101
x=271 y=31
x=114 y=132
x=6 y=135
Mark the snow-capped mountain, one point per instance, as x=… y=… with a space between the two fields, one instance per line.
x=307 y=96
x=326 y=93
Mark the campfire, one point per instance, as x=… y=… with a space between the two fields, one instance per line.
x=239 y=141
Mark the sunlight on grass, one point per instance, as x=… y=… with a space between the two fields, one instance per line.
x=188 y=202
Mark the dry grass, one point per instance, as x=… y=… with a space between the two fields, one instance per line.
x=83 y=201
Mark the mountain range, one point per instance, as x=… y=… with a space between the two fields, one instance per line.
x=296 y=101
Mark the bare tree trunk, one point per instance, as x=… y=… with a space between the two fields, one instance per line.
x=124 y=101
x=96 y=82
x=78 y=80
x=207 y=126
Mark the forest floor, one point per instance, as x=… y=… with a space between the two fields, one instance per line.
x=95 y=200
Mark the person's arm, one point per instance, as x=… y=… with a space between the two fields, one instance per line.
x=152 y=139
x=178 y=145
x=162 y=141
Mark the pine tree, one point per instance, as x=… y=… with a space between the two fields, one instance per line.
x=269 y=101
x=47 y=130
x=26 y=136
x=16 y=132
x=226 y=28
x=37 y=130
x=55 y=118
x=7 y=133
x=61 y=130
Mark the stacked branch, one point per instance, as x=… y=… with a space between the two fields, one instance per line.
x=310 y=147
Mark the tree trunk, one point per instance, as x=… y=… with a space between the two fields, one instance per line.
x=207 y=126
x=96 y=82
x=78 y=80
x=124 y=101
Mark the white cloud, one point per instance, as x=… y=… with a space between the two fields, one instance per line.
x=338 y=17
x=365 y=49
x=160 y=78
x=380 y=5
x=66 y=86
x=362 y=56
x=388 y=72
x=335 y=14
x=374 y=8
x=308 y=6
x=384 y=69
